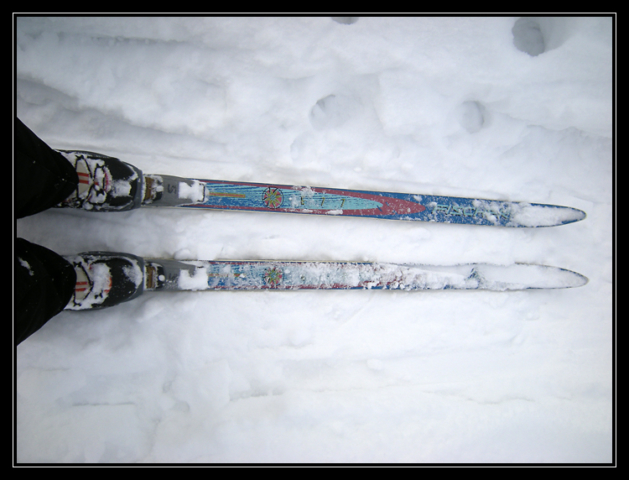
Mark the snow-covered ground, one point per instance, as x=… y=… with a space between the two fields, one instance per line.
x=505 y=108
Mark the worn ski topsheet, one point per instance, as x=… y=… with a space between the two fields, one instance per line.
x=224 y=195
x=281 y=275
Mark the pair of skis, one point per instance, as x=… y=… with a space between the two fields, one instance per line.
x=169 y=275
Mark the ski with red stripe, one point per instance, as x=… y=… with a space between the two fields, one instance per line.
x=171 y=191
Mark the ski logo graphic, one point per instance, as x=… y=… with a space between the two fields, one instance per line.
x=272 y=197
x=273 y=277
x=304 y=200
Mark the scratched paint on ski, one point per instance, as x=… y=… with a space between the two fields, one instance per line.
x=296 y=275
x=328 y=201
x=286 y=275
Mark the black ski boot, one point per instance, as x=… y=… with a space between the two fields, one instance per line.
x=105 y=183
x=104 y=279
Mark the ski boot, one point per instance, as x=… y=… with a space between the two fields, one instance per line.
x=104 y=279
x=105 y=183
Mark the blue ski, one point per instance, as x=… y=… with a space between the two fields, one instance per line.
x=171 y=191
x=133 y=275
x=163 y=275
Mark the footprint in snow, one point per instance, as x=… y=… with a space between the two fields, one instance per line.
x=345 y=20
x=333 y=111
x=472 y=116
x=528 y=36
x=537 y=35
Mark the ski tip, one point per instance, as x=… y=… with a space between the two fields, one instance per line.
x=576 y=280
x=537 y=215
x=561 y=278
x=576 y=216
x=584 y=280
x=527 y=276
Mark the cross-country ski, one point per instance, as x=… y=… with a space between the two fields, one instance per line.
x=110 y=278
x=280 y=275
x=130 y=188
x=171 y=191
